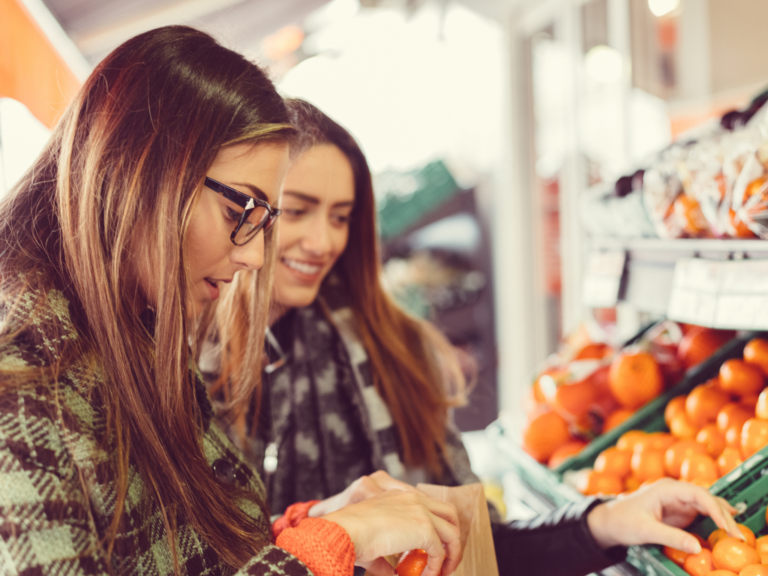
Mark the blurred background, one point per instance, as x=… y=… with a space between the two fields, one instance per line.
x=536 y=161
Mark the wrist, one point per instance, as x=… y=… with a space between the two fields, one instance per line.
x=598 y=522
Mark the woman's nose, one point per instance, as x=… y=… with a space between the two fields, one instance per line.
x=251 y=255
x=317 y=239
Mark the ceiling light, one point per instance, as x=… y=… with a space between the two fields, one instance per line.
x=663 y=7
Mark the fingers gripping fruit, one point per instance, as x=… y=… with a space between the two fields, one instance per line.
x=412 y=563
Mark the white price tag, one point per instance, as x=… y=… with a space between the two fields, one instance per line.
x=602 y=280
x=720 y=293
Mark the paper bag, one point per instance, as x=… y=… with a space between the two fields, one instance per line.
x=474 y=525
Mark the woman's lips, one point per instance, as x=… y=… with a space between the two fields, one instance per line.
x=302 y=269
x=213 y=289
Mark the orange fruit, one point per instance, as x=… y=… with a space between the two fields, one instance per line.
x=749 y=401
x=734 y=555
x=716 y=536
x=677 y=556
x=648 y=464
x=703 y=404
x=674 y=406
x=660 y=441
x=572 y=400
x=761 y=545
x=756 y=352
x=728 y=460
x=675 y=454
x=741 y=378
x=614 y=461
x=635 y=378
x=761 y=408
x=564 y=452
x=682 y=428
x=754 y=570
x=602 y=483
x=412 y=563
x=754 y=436
x=545 y=434
x=722 y=573
x=631 y=483
x=731 y=414
x=699 y=467
x=712 y=439
x=749 y=536
x=616 y=418
x=593 y=351
x=740 y=229
x=628 y=440
x=699 y=564
x=700 y=343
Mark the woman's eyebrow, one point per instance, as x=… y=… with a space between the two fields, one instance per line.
x=258 y=192
x=315 y=201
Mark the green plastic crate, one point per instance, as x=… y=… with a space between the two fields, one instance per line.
x=746 y=488
x=650 y=418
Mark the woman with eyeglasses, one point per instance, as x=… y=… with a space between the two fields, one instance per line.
x=157 y=188
x=356 y=393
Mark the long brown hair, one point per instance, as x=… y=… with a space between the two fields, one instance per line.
x=415 y=369
x=128 y=160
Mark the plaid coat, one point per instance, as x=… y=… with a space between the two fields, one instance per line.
x=57 y=492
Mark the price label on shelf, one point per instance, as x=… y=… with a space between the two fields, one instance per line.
x=720 y=293
x=602 y=280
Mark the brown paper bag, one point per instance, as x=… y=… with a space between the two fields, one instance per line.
x=474 y=525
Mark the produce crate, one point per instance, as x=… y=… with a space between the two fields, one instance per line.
x=746 y=488
x=650 y=418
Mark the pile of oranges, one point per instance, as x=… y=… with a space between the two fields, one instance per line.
x=597 y=389
x=713 y=429
x=723 y=555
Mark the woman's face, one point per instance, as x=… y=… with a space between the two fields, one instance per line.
x=256 y=170
x=318 y=198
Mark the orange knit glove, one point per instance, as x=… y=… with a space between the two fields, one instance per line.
x=293 y=515
x=324 y=547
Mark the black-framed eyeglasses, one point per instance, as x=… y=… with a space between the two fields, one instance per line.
x=257 y=214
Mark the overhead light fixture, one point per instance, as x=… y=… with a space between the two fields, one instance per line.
x=663 y=7
x=603 y=64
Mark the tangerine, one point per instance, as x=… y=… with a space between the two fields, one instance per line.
x=728 y=460
x=740 y=229
x=675 y=454
x=749 y=401
x=733 y=436
x=564 y=452
x=741 y=378
x=756 y=352
x=749 y=536
x=572 y=400
x=754 y=436
x=616 y=418
x=648 y=464
x=754 y=570
x=674 y=406
x=712 y=439
x=614 y=461
x=731 y=414
x=660 y=441
x=699 y=564
x=734 y=555
x=722 y=573
x=631 y=483
x=593 y=351
x=700 y=343
x=761 y=545
x=412 y=563
x=716 y=536
x=602 y=483
x=682 y=428
x=761 y=408
x=677 y=556
x=628 y=440
x=635 y=378
x=699 y=467
x=545 y=434
x=704 y=403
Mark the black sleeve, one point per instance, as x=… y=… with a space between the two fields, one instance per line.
x=554 y=544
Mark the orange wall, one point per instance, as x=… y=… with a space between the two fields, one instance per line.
x=31 y=71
